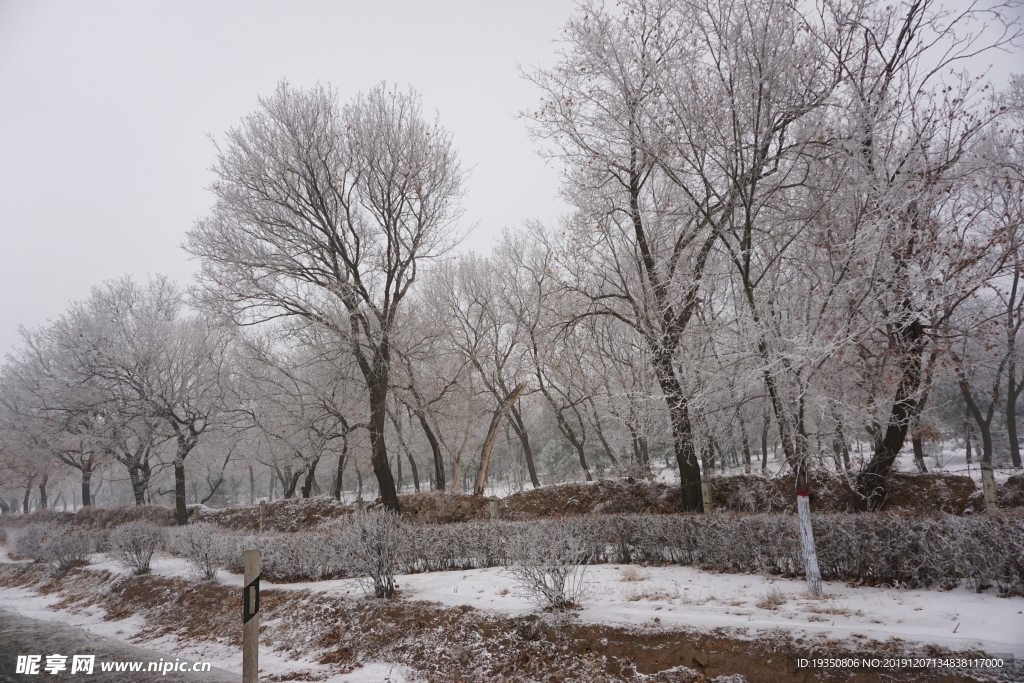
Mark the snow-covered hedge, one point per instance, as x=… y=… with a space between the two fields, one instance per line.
x=888 y=549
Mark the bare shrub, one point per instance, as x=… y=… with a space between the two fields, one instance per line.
x=631 y=574
x=133 y=545
x=66 y=548
x=374 y=543
x=548 y=565
x=198 y=542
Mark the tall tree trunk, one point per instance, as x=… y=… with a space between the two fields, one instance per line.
x=42 y=491
x=600 y=435
x=405 y=449
x=341 y=467
x=635 y=443
x=378 y=449
x=746 y=445
x=492 y=433
x=872 y=483
x=690 y=493
x=86 y=487
x=307 y=486
x=988 y=481
x=1013 y=389
x=435 y=448
x=457 y=460
x=519 y=427
x=28 y=494
x=252 y=487
x=764 y=442
x=919 y=453
x=138 y=486
x=967 y=442
x=180 y=511
x=1012 y=393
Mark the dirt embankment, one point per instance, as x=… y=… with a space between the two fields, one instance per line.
x=917 y=493
x=94 y=517
x=452 y=644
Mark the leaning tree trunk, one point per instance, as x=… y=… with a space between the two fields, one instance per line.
x=492 y=433
x=519 y=427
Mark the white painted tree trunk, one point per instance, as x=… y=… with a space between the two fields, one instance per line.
x=803 y=509
x=988 y=487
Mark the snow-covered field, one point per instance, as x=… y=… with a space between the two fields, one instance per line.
x=652 y=597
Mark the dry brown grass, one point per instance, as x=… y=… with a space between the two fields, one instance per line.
x=773 y=599
x=631 y=574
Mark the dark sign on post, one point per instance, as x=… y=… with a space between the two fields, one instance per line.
x=251 y=600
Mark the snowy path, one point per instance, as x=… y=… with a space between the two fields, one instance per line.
x=21 y=635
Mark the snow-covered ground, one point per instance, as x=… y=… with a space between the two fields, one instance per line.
x=30 y=604
x=653 y=597
x=944 y=457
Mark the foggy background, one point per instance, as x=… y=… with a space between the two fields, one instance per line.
x=106 y=108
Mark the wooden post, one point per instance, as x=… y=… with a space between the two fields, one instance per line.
x=492 y=504
x=251 y=618
x=263 y=514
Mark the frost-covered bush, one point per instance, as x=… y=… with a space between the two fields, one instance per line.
x=60 y=547
x=548 y=564
x=66 y=548
x=134 y=543
x=28 y=544
x=202 y=545
x=374 y=543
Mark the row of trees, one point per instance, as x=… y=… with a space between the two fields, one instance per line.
x=790 y=223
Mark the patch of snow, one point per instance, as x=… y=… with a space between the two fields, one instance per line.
x=688 y=597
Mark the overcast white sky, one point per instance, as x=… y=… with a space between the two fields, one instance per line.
x=105 y=109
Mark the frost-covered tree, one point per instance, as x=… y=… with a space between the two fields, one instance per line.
x=327 y=213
